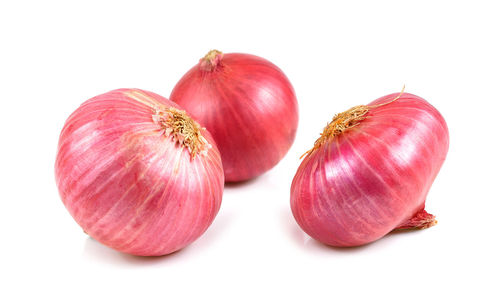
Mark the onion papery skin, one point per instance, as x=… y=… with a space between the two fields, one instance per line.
x=248 y=105
x=373 y=177
x=130 y=185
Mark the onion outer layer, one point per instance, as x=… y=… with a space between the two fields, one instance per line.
x=248 y=105
x=137 y=173
x=370 y=171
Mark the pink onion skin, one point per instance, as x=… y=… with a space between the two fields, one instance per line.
x=374 y=177
x=248 y=105
x=130 y=186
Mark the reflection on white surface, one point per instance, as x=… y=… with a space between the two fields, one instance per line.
x=95 y=251
x=313 y=246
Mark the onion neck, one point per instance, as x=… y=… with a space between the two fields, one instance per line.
x=421 y=220
x=211 y=60
x=183 y=129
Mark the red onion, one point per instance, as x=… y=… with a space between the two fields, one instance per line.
x=137 y=173
x=248 y=105
x=370 y=171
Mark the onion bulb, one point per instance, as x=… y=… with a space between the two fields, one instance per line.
x=248 y=105
x=370 y=171
x=137 y=173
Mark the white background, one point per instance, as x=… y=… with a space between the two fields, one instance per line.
x=54 y=55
